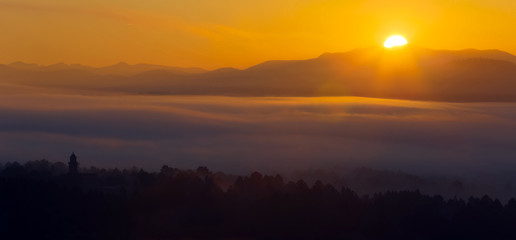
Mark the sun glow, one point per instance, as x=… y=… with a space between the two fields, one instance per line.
x=395 y=41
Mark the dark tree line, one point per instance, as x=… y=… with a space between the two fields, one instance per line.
x=42 y=202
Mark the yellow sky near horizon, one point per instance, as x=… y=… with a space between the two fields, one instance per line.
x=239 y=33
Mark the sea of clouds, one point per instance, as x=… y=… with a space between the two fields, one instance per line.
x=269 y=134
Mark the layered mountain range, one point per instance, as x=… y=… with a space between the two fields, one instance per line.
x=402 y=73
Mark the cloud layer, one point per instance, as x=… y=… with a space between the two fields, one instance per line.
x=268 y=134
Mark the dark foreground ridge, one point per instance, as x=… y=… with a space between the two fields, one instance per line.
x=41 y=200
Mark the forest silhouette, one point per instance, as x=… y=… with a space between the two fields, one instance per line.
x=43 y=200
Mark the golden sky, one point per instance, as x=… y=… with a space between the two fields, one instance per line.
x=240 y=33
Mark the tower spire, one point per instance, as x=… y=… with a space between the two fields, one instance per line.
x=73 y=165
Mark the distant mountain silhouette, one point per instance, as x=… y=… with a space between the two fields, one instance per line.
x=402 y=73
x=122 y=68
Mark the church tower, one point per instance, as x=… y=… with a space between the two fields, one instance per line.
x=73 y=165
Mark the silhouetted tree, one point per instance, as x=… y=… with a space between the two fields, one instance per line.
x=35 y=203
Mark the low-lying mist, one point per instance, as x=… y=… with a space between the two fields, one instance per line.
x=266 y=134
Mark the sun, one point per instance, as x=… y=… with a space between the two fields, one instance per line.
x=395 y=41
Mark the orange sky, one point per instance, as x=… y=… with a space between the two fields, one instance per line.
x=240 y=33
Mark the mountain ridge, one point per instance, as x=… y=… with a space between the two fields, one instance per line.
x=404 y=73
x=121 y=68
